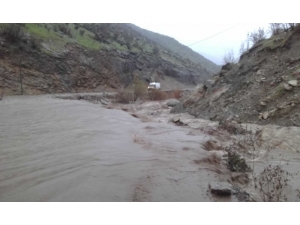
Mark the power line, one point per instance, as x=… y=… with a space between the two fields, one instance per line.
x=213 y=35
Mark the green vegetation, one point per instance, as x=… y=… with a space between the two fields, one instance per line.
x=277 y=41
x=56 y=39
x=119 y=46
x=52 y=39
x=40 y=31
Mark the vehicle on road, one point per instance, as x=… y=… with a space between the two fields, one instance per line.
x=154 y=86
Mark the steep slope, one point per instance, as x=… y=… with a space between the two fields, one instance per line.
x=85 y=57
x=262 y=88
x=174 y=46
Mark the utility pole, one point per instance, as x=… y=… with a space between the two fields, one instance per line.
x=21 y=78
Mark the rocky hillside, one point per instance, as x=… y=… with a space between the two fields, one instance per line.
x=174 y=46
x=263 y=87
x=55 y=58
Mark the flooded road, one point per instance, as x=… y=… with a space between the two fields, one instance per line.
x=65 y=150
x=72 y=150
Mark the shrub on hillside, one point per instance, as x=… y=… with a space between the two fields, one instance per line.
x=12 y=32
x=139 y=88
x=257 y=36
x=236 y=163
x=277 y=28
x=81 y=32
x=155 y=50
x=64 y=29
x=232 y=128
x=228 y=57
x=35 y=43
x=271 y=183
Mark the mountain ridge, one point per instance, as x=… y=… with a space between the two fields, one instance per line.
x=173 y=45
x=84 y=57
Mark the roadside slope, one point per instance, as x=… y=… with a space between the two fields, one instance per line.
x=263 y=87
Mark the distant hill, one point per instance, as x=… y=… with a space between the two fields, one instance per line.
x=75 y=57
x=214 y=59
x=181 y=50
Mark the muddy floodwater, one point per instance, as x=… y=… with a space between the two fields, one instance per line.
x=68 y=150
x=65 y=150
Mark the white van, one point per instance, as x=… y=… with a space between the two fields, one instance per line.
x=154 y=85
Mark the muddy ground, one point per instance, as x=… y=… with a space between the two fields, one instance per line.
x=72 y=150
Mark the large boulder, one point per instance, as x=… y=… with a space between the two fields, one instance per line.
x=293 y=83
x=221 y=189
x=172 y=102
x=227 y=66
x=287 y=87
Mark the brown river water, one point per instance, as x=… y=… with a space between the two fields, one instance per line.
x=68 y=150
x=65 y=150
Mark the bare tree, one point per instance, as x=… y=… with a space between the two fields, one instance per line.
x=248 y=41
x=139 y=88
x=277 y=28
x=257 y=36
x=293 y=25
x=242 y=48
x=245 y=45
x=274 y=28
x=229 y=57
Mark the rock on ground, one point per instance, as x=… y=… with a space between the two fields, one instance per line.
x=172 y=102
x=221 y=189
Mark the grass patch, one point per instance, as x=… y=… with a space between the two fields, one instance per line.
x=270 y=44
x=41 y=31
x=146 y=47
x=276 y=42
x=134 y=49
x=119 y=46
x=56 y=40
x=86 y=40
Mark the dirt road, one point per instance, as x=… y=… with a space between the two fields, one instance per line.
x=65 y=150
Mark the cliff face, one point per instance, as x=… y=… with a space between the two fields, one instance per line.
x=72 y=58
x=263 y=87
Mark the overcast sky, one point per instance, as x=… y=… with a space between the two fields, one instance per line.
x=178 y=19
x=216 y=46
